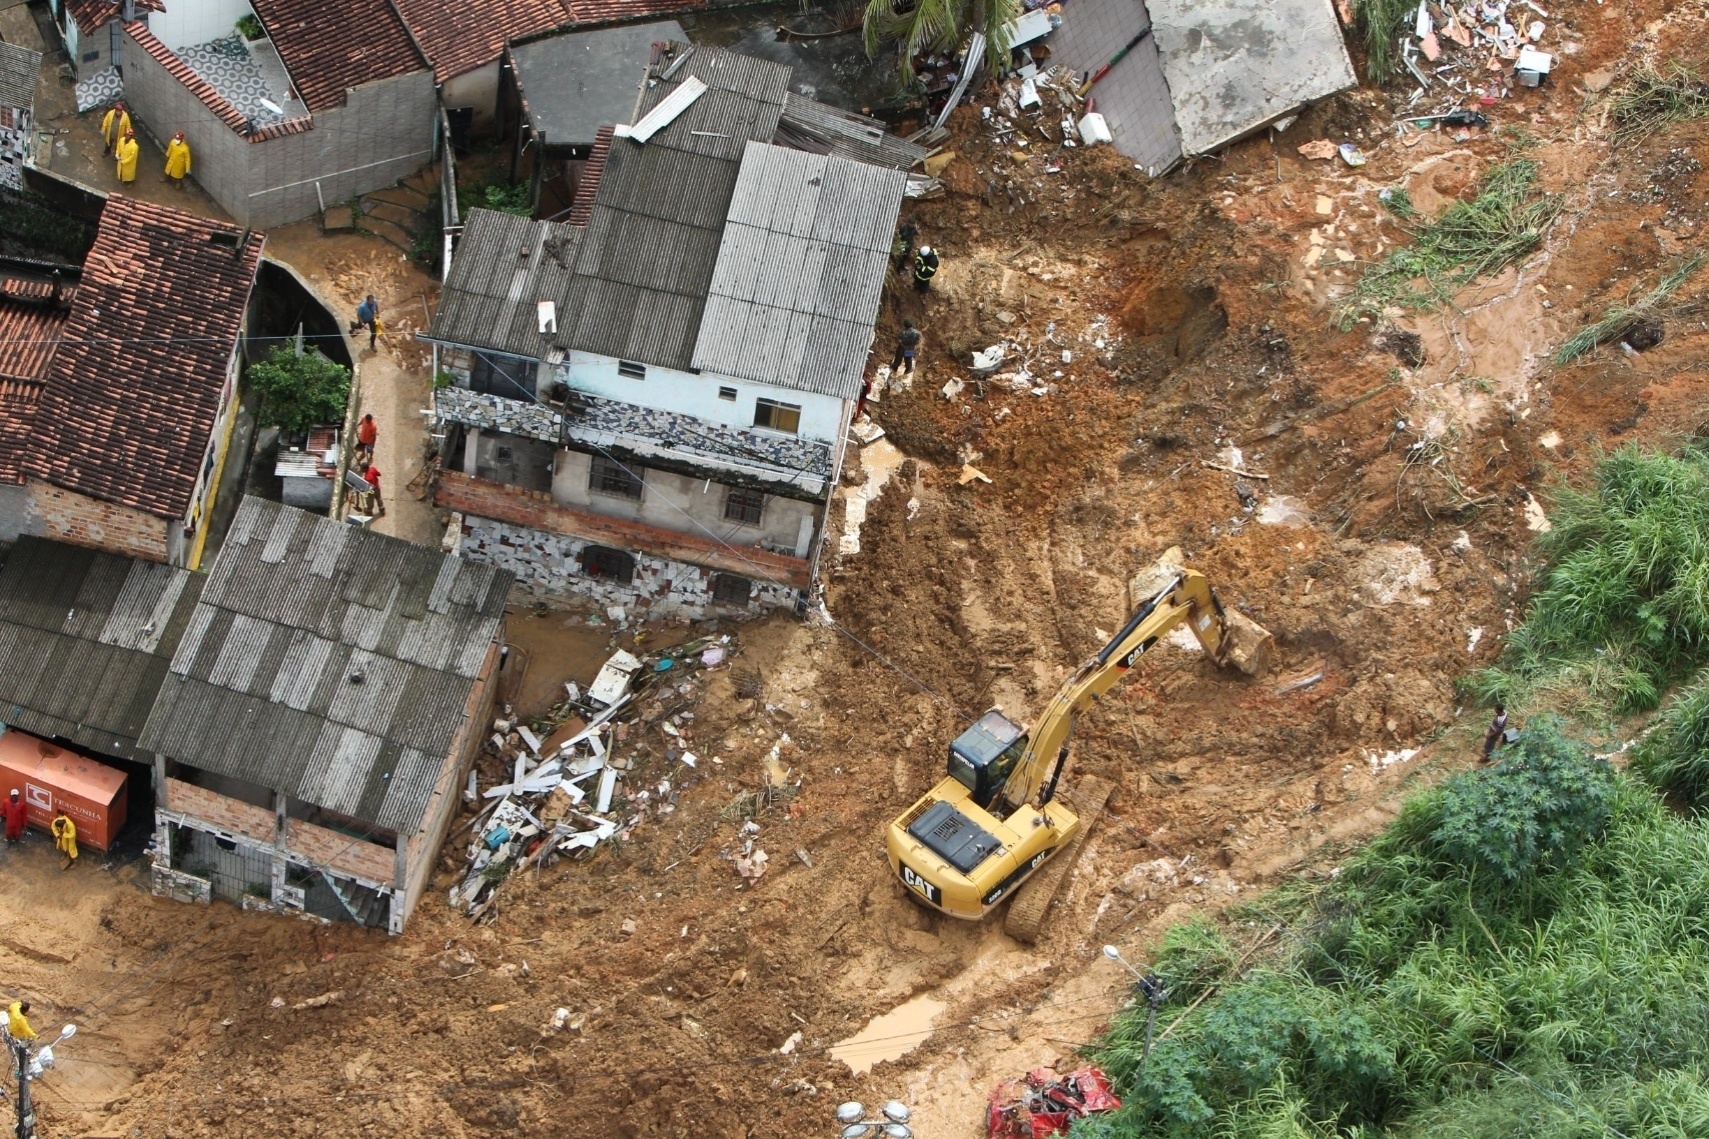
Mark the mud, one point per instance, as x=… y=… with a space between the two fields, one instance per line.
x=1387 y=550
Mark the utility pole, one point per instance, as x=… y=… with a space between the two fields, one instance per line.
x=26 y=1110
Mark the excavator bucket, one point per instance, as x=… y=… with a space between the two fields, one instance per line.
x=1248 y=645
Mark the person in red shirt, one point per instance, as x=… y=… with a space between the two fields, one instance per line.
x=367 y=431
x=17 y=815
x=372 y=477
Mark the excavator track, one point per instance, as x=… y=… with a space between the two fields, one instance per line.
x=1032 y=900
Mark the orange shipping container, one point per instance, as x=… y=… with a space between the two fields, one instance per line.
x=50 y=778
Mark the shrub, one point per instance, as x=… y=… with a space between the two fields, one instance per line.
x=299 y=392
x=495 y=196
x=1532 y=811
x=1674 y=757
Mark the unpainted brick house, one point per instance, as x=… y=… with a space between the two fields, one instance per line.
x=652 y=408
x=323 y=708
x=118 y=383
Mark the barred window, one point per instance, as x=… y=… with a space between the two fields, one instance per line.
x=608 y=477
x=607 y=564
x=729 y=589
x=744 y=506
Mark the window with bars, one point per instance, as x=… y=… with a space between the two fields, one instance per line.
x=607 y=564
x=608 y=477
x=631 y=369
x=729 y=589
x=777 y=416
x=744 y=506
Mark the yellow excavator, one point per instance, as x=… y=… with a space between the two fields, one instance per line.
x=995 y=819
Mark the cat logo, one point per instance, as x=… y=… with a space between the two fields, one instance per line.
x=911 y=878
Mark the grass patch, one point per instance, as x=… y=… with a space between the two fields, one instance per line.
x=1622 y=609
x=1498 y=227
x=1419 y=994
x=1620 y=320
x=1652 y=98
x=1674 y=757
x=1381 y=23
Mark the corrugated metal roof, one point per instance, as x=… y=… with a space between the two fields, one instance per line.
x=85 y=641
x=800 y=271
x=19 y=67
x=574 y=84
x=490 y=298
x=820 y=129
x=329 y=663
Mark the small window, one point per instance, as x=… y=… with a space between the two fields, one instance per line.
x=608 y=477
x=745 y=506
x=728 y=589
x=727 y=393
x=777 y=416
x=607 y=564
x=631 y=369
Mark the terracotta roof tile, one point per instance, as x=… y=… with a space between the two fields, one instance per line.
x=134 y=389
x=29 y=332
x=459 y=37
x=581 y=209
x=18 y=399
x=612 y=11
x=92 y=15
x=330 y=48
x=186 y=75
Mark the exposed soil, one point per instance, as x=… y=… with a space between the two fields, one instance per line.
x=1387 y=550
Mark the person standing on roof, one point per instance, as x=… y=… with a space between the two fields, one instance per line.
x=17 y=817
x=925 y=267
x=127 y=153
x=115 y=124
x=18 y=1021
x=367 y=432
x=907 y=343
x=177 y=159
x=65 y=837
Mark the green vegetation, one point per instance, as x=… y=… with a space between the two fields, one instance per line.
x=299 y=392
x=1420 y=995
x=250 y=28
x=1498 y=227
x=1621 y=611
x=939 y=25
x=1381 y=24
x=1653 y=98
x=1619 y=321
x=1674 y=757
x=495 y=196
x=1398 y=202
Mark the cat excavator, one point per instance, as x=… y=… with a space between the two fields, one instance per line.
x=995 y=826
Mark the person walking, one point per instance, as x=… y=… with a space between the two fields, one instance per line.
x=177 y=159
x=65 y=837
x=925 y=267
x=907 y=343
x=115 y=124
x=1497 y=727
x=372 y=477
x=367 y=432
x=17 y=817
x=18 y=1021
x=368 y=316
x=127 y=154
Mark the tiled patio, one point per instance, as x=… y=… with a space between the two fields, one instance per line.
x=244 y=77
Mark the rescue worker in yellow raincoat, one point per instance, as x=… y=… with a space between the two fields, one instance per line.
x=177 y=159
x=18 y=1021
x=65 y=837
x=115 y=125
x=127 y=155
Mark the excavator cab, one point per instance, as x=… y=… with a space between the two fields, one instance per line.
x=982 y=757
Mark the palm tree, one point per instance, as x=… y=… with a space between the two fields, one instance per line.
x=939 y=25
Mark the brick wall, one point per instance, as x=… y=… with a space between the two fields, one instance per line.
x=221 y=811
x=342 y=853
x=65 y=515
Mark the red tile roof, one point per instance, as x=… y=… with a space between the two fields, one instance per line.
x=581 y=207
x=330 y=48
x=212 y=99
x=18 y=399
x=615 y=11
x=134 y=389
x=461 y=36
x=92 y=15
x=29 y=332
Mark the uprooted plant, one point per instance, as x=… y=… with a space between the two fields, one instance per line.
x=1654 y=97
x=1470 y=239
x=1641 y=315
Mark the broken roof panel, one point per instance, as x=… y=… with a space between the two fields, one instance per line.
x=800 y=271
x=329 y=663
x=85 y=641
x=577 y=82
x=821 y=129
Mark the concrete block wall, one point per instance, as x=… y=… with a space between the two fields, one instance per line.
x=161 y=105
x=91 y=52
x=66 y=516
x=222 y=812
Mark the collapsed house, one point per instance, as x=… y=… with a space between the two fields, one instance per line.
x=320 y=715
x=652 y=409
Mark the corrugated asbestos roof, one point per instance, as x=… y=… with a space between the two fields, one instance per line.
x=800 y=271
x=820 y=129
x=574 y=84
x=329 y=663
x=19 y=67
x=647 y=256
x=85 y=641
x=504 y=266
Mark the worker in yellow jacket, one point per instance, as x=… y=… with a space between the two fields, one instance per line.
x=127 y=155
x=115 y=124
x=18 y=1021
x=65 y=837
x=177 y=159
